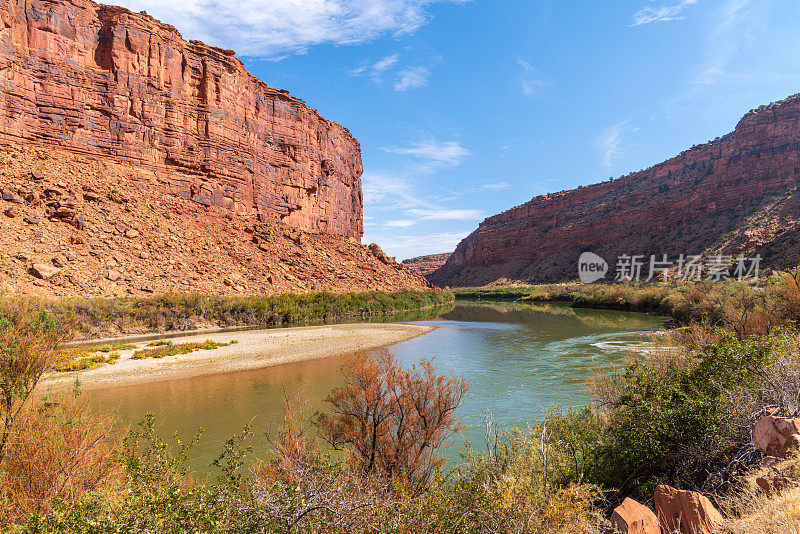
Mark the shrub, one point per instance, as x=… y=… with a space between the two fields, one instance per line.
x=59 y=450
x=393 y=419
x=172 y=350
x=667 y=419
x=28 y=349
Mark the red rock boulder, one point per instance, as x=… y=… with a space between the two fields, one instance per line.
x=777 y=436
x=686 y=512
x=774 y=485
x=632 y=517
x=380 y=254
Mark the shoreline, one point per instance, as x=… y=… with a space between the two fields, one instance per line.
x=254 y=349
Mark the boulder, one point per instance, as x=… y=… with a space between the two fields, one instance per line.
x=11 y=212
x=10 y=196
x=78 y=222
x=632 y=517
x=44 y=271
x=774 y=485
x=686 y=512
x=777 y=436
x=379 y=254
x=31 y=220
x=113 y=275
x=132 y=233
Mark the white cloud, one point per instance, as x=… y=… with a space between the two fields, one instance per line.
x=532 y=80
x=724 y=41
x=377 y=69
x=275 y=28
x=649 y=14
x=412 y=78
x=745 y=59
x=425 y=214
x=434 y=153
x=402 y=223
x=493 y=186
x=385 y=191
x=612 y=142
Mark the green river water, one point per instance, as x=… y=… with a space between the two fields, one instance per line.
x=520 y=360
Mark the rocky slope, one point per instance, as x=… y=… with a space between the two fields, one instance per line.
x=133 y=161
x=425 y=265
x=736 y=194
x=74 y=225
x=105 y=81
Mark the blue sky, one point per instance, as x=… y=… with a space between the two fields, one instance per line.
x=467 y=108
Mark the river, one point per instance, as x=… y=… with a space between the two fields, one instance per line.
x=520 y=360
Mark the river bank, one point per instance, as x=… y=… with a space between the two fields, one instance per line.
x=239 y=351
x=107 y=318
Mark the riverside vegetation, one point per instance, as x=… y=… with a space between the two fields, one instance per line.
x=104 y=317
x=680 y=415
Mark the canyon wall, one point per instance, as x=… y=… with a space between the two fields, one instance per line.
x=425 y=265
x=102 y=80
x=736 y=194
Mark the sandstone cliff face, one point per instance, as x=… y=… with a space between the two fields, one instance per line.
x=102 y=80
x=425 y=265
x=735 y=194
x=84 y=225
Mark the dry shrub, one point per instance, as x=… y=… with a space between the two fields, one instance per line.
x=777 y=387
x=29 y=341
x=750 y=511
x=761 y=515
x=299 y=488
x=58 y=450
x=391 y=419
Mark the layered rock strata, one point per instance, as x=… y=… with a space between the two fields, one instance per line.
x=103 y=80
x=426 y=264
x=736 y=194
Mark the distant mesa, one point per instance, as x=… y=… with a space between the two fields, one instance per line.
x=736 y=195
x=425 y=265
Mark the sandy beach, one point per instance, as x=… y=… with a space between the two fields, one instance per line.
x=254 y=349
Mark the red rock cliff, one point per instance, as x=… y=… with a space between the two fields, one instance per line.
x=425 y=265
x=735 y=194
x=103 y=80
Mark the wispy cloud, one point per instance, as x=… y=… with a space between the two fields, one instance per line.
x=275 y=28
x=664 y=13
x=446 y=214
x=532 y=80
x=612 y=142
x=377 y=69
x=404 y=78
x=432 y=153
x=387 y=191
x=744 y=53
x=402 y=223
x=412 y=78
x=493 y=186
x=723 y=41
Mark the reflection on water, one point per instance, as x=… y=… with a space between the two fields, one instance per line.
x=520 y=359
